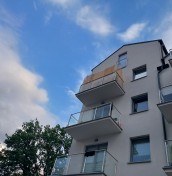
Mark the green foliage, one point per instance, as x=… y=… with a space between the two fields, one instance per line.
x=33 y=149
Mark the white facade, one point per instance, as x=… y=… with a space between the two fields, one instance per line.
x=128 y=132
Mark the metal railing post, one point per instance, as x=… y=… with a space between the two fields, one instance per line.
x=166 y=152
x=68 y=166
x=104 y=161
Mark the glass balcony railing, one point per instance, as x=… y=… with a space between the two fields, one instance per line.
x=166 y=103
x=107 y=110
x=166 y=93
x=101 y=86
x=168 y=146
x=99 y=161
x=101 y=81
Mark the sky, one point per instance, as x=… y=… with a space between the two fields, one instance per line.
x=47 y=47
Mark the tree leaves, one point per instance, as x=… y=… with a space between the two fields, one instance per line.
x=33 y=149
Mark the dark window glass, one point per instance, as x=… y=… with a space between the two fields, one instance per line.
x=94 y=158
x=122 y=61
x=140 y=103
x=103 y=111
x=140 y=149
x=139 y=72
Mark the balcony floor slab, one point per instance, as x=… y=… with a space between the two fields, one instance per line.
x=93 y=129
x=166 y=110
x=100 y=93
x=168 y=170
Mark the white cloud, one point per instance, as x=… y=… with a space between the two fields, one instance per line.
x=48 y=17
x=132 y=33
x=35 y=6
x=21 y=96
x=88 y=17
x=63 y=3
x=164 y=30
x=12 y=21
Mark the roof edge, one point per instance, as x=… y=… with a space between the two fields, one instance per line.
x=158 y=40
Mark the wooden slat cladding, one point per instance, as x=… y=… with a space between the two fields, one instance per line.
x=87 y=79
x=103 y=73
x=119 y=71
x=109 y=70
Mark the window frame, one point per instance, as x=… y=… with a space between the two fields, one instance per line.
x=137 y=70
x=134 y=139
x=126 y=62
x=138 y=99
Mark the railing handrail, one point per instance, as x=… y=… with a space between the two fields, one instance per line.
x=166 y=86
x=80 y=116
x=82 y=153
x=91 y=108
x=97 y=107
x=71 y=116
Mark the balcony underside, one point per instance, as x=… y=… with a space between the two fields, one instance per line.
x=93 y=129
x=168 y=170
x=166 y=110
x=100 y=93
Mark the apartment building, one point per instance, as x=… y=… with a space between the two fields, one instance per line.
x=125 y=125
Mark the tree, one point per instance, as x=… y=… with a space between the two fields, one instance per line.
x=33 y=149
x=51 y=146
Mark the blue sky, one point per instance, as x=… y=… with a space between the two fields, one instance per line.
x=47 y=47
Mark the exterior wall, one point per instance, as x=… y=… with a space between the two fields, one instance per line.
x=139 y=124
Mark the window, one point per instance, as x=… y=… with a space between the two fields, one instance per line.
x=140 y=149
x=102 y=111
x=140 y=103
x=94 y=158
x=139 y=72
x=122 y=61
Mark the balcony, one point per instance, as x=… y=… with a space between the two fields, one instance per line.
x=168 y=168
x=101 y=86
x=166 y=106
x=93 y=163
x=88 y=124
x=170 y=61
